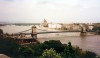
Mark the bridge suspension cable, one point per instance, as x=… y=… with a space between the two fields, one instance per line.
x=24 y=31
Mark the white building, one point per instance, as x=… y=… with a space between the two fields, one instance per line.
x=55 y=26
x=91 y=27
x=74 y=27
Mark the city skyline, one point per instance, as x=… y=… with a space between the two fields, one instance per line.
x=56 y=11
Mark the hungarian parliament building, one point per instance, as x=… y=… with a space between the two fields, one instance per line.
x=71 y=26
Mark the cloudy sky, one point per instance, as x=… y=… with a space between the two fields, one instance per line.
x=65 y=11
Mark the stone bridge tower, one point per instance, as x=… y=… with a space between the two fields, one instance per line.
x=34 y=33
x=84 y=29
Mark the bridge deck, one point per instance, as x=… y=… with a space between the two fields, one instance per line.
x=50 y=32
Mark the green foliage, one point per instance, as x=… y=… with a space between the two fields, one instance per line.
x=51 y=53
x=72 y=52
x=26 y=52
x=69 y=51
x=89 y=54
x=8 y=46
x=38 y=49
x=78 y=52
x=56 y=45
x=48 y=49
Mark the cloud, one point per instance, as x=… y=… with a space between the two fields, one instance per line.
x=53 y=10
x=10 y=0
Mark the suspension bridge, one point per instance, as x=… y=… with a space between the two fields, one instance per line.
x=21 y=36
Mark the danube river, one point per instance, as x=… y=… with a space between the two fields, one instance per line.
x=89 y=42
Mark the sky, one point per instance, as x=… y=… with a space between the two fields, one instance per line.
x=56 y=11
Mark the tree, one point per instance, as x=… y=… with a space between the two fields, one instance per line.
x=69 y=51
x=8 y=46
x=38 y=49
x=89 y=54
x=26 y=52
x=56 y=45
x=51 y=53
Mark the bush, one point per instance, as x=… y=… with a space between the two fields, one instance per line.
x=38 y=49
x=26 y=52
x=8 y=46
x=56 y=45
x=51 y=53
x=89 y=54
x=69 y=51
x=72 y=52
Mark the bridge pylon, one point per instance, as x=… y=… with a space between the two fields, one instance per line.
x=34 y=33
x=83 y=31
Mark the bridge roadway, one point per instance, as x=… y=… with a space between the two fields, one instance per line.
x=50 y=32
x=45 y=31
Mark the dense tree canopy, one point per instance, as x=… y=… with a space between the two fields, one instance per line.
x=52 y=49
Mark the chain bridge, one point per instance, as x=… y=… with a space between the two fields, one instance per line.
x=21 y=36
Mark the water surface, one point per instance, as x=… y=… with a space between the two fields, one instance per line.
x=89 y=42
